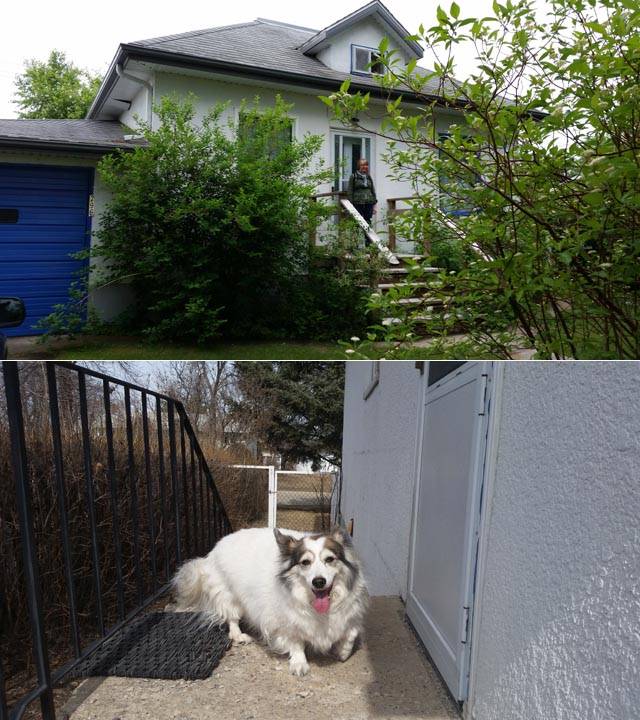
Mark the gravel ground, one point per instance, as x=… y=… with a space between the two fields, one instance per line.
x=388 y=677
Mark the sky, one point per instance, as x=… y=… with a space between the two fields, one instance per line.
x=90 y=33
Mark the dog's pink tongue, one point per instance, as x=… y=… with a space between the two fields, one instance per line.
x=321 y=602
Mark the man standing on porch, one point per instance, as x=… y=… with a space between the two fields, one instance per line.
x=362 y=193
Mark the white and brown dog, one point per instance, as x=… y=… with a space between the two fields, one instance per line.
x=296 y=590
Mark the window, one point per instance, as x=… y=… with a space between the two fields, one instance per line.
x=280 y=138
x=452 y=190
x=366 y=61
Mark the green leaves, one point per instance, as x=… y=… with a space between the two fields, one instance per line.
x=55 y=89
x=210 y=224
x=550 y=252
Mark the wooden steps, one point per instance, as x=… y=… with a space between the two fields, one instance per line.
x=392 y=278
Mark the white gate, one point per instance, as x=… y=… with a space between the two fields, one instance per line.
x=303 y=500
x=446 y=514
x=298 y=500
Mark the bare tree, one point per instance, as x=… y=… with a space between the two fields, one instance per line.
x=206 y=390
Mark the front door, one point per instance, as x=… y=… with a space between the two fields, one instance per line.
x=347 y=150
x=446 y=516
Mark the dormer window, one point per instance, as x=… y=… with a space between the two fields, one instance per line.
x=366 y=61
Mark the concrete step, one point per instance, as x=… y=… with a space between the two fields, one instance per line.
x=388 y=286
x=429 y=302
x=388 y=321
x=395 y=271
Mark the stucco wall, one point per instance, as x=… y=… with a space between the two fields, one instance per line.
x=378 y=469
x=558 y=632
x=368 y=33
x=138 y=110
x=310 y=116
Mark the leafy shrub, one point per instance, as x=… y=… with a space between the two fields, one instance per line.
x=210 y=227
x=539 y=178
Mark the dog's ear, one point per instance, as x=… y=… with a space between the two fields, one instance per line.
x=286 y=543
x=340 y=535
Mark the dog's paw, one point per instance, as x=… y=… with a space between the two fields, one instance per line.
x=298 y=667
x=242 y=639
x=344 y=653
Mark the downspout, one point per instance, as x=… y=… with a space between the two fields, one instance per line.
x=127 y=76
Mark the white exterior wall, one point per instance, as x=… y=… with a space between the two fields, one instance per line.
x=309 y=114
x=378 y=469
x=368 y=33
x=138 y=110
x=557 y=635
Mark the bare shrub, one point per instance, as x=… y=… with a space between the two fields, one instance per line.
x=175 y=517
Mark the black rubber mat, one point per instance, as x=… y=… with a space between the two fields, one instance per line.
x=169 y=646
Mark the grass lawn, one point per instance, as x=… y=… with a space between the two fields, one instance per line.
x=131 y=349
x=125 y=348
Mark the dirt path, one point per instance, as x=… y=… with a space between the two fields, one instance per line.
x=389 y=677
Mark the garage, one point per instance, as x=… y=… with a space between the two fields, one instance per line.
x=44 y=221
x=47 y=181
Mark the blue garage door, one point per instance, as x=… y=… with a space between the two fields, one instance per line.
x=43 y=221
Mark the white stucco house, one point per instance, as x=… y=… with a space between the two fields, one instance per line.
x=501 y=501
x=51 y=198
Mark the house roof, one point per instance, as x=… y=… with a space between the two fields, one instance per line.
x=262 y=49
x=374 y=8
x=89 y=135
x=261 y=45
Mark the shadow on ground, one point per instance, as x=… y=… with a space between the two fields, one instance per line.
x=388 y=677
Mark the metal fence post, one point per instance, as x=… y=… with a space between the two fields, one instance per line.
x=174 y=476
x=56 y=437
x=4 y=710
x=273 y=495
x=91 y=432
x=29 y=554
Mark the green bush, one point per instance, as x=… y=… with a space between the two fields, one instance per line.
x=210 y=227
x=544 y=160
x=332 y=302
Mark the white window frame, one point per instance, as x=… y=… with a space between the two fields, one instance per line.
x=371 y=51
x=293 y=118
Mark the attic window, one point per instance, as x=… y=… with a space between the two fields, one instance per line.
x=366 y=61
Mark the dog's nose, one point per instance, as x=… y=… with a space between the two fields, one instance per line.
x=318 y=582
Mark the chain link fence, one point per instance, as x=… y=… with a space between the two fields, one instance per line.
x=293 y=499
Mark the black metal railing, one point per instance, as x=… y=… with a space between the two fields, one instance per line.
x=155 y=485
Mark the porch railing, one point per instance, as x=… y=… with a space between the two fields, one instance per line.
x=394 y=210
x=335 y=209
x=149 y=447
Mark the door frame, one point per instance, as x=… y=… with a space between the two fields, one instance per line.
x=361 y=136
x=490 y=468
x=481 y=492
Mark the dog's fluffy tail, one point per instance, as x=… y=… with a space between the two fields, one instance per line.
x=189 y=586
x=198 y=587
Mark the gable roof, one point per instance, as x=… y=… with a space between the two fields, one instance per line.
x=373 y=9
x=262 y=49
x=89 y=135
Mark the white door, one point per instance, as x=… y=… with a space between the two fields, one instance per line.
x=446 y=514
x=347 y=150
